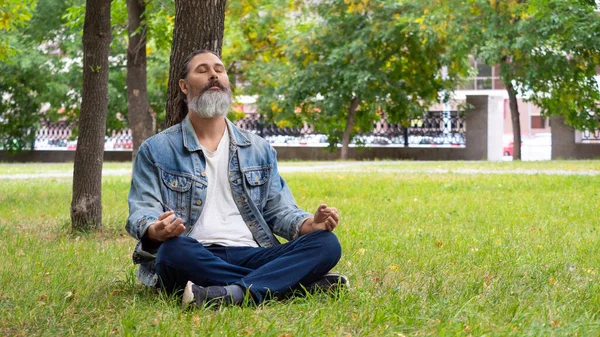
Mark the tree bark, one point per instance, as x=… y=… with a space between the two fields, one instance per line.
x=86 y=205
x=198 y=25
x=141 y=120
x=516 y=121
x=348 y=129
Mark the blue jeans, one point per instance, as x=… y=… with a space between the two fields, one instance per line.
x=262 y=271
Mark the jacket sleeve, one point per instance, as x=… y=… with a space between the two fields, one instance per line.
x=281 y=212
x=144 y=194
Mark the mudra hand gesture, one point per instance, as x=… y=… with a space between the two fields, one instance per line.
x=325 y=218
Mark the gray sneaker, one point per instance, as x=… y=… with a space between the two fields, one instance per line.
x=200 y=296
x=329 y=282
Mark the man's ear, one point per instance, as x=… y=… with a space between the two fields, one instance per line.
x=183 y=86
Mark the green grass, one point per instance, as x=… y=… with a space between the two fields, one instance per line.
x=443 y=254
x=556 y=165
x=52 y=167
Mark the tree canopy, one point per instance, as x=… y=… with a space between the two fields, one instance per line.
x=336 y=64
x=548 y=52
x=340 y=65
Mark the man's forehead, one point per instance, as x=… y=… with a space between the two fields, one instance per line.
x=204 y=58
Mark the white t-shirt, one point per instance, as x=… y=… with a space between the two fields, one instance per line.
x=220 y=222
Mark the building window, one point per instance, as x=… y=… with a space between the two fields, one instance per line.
x=538 y=122
x=487 y=77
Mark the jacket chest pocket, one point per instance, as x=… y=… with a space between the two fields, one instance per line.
x=256 y=179
x=176 y=191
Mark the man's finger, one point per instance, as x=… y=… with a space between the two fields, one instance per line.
x=159 y=225
x=335 y=216
x=328 y=210
x=169 y=219
x=329 y=224
x=175 y=228
x=164 y=215
x=172 y=224
x=180 y=229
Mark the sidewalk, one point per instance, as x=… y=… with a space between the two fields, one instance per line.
x=354 y=167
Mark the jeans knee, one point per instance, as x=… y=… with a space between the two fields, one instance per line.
x=330 y=247
x=174 y=250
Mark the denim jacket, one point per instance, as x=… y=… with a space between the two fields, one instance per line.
x=169 y=173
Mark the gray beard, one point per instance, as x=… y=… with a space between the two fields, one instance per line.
x=211 y=103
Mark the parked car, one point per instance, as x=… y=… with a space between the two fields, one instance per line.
x=509 y=145
x=533 y=147
x=509 y=149
x=72 y=145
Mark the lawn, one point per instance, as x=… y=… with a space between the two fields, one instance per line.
x=427 y=254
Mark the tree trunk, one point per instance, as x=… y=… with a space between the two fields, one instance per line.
x=349 y=126
x=198 y=25
x=516 y=122
x=86 y=205
x=141 y=120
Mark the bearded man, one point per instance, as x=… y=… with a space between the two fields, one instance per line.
x=207 y=200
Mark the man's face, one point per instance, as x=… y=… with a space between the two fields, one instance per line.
x=207 y=87
x=206 y=72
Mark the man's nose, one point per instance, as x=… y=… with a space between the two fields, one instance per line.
x=213 y=75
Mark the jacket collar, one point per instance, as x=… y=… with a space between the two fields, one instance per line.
x=236 y=136
x=190 y=141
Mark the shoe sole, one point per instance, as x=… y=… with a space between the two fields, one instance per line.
x=346 y=281
x=337 y=279
x=329 y=283
x=188 y=295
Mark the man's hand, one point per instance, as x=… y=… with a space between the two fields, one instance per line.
x=165 y=227
x=326 y=218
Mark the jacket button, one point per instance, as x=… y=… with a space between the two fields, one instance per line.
x=203 y=174
x=198 y=202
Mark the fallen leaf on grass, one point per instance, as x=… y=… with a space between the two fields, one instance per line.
x=487 y=281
